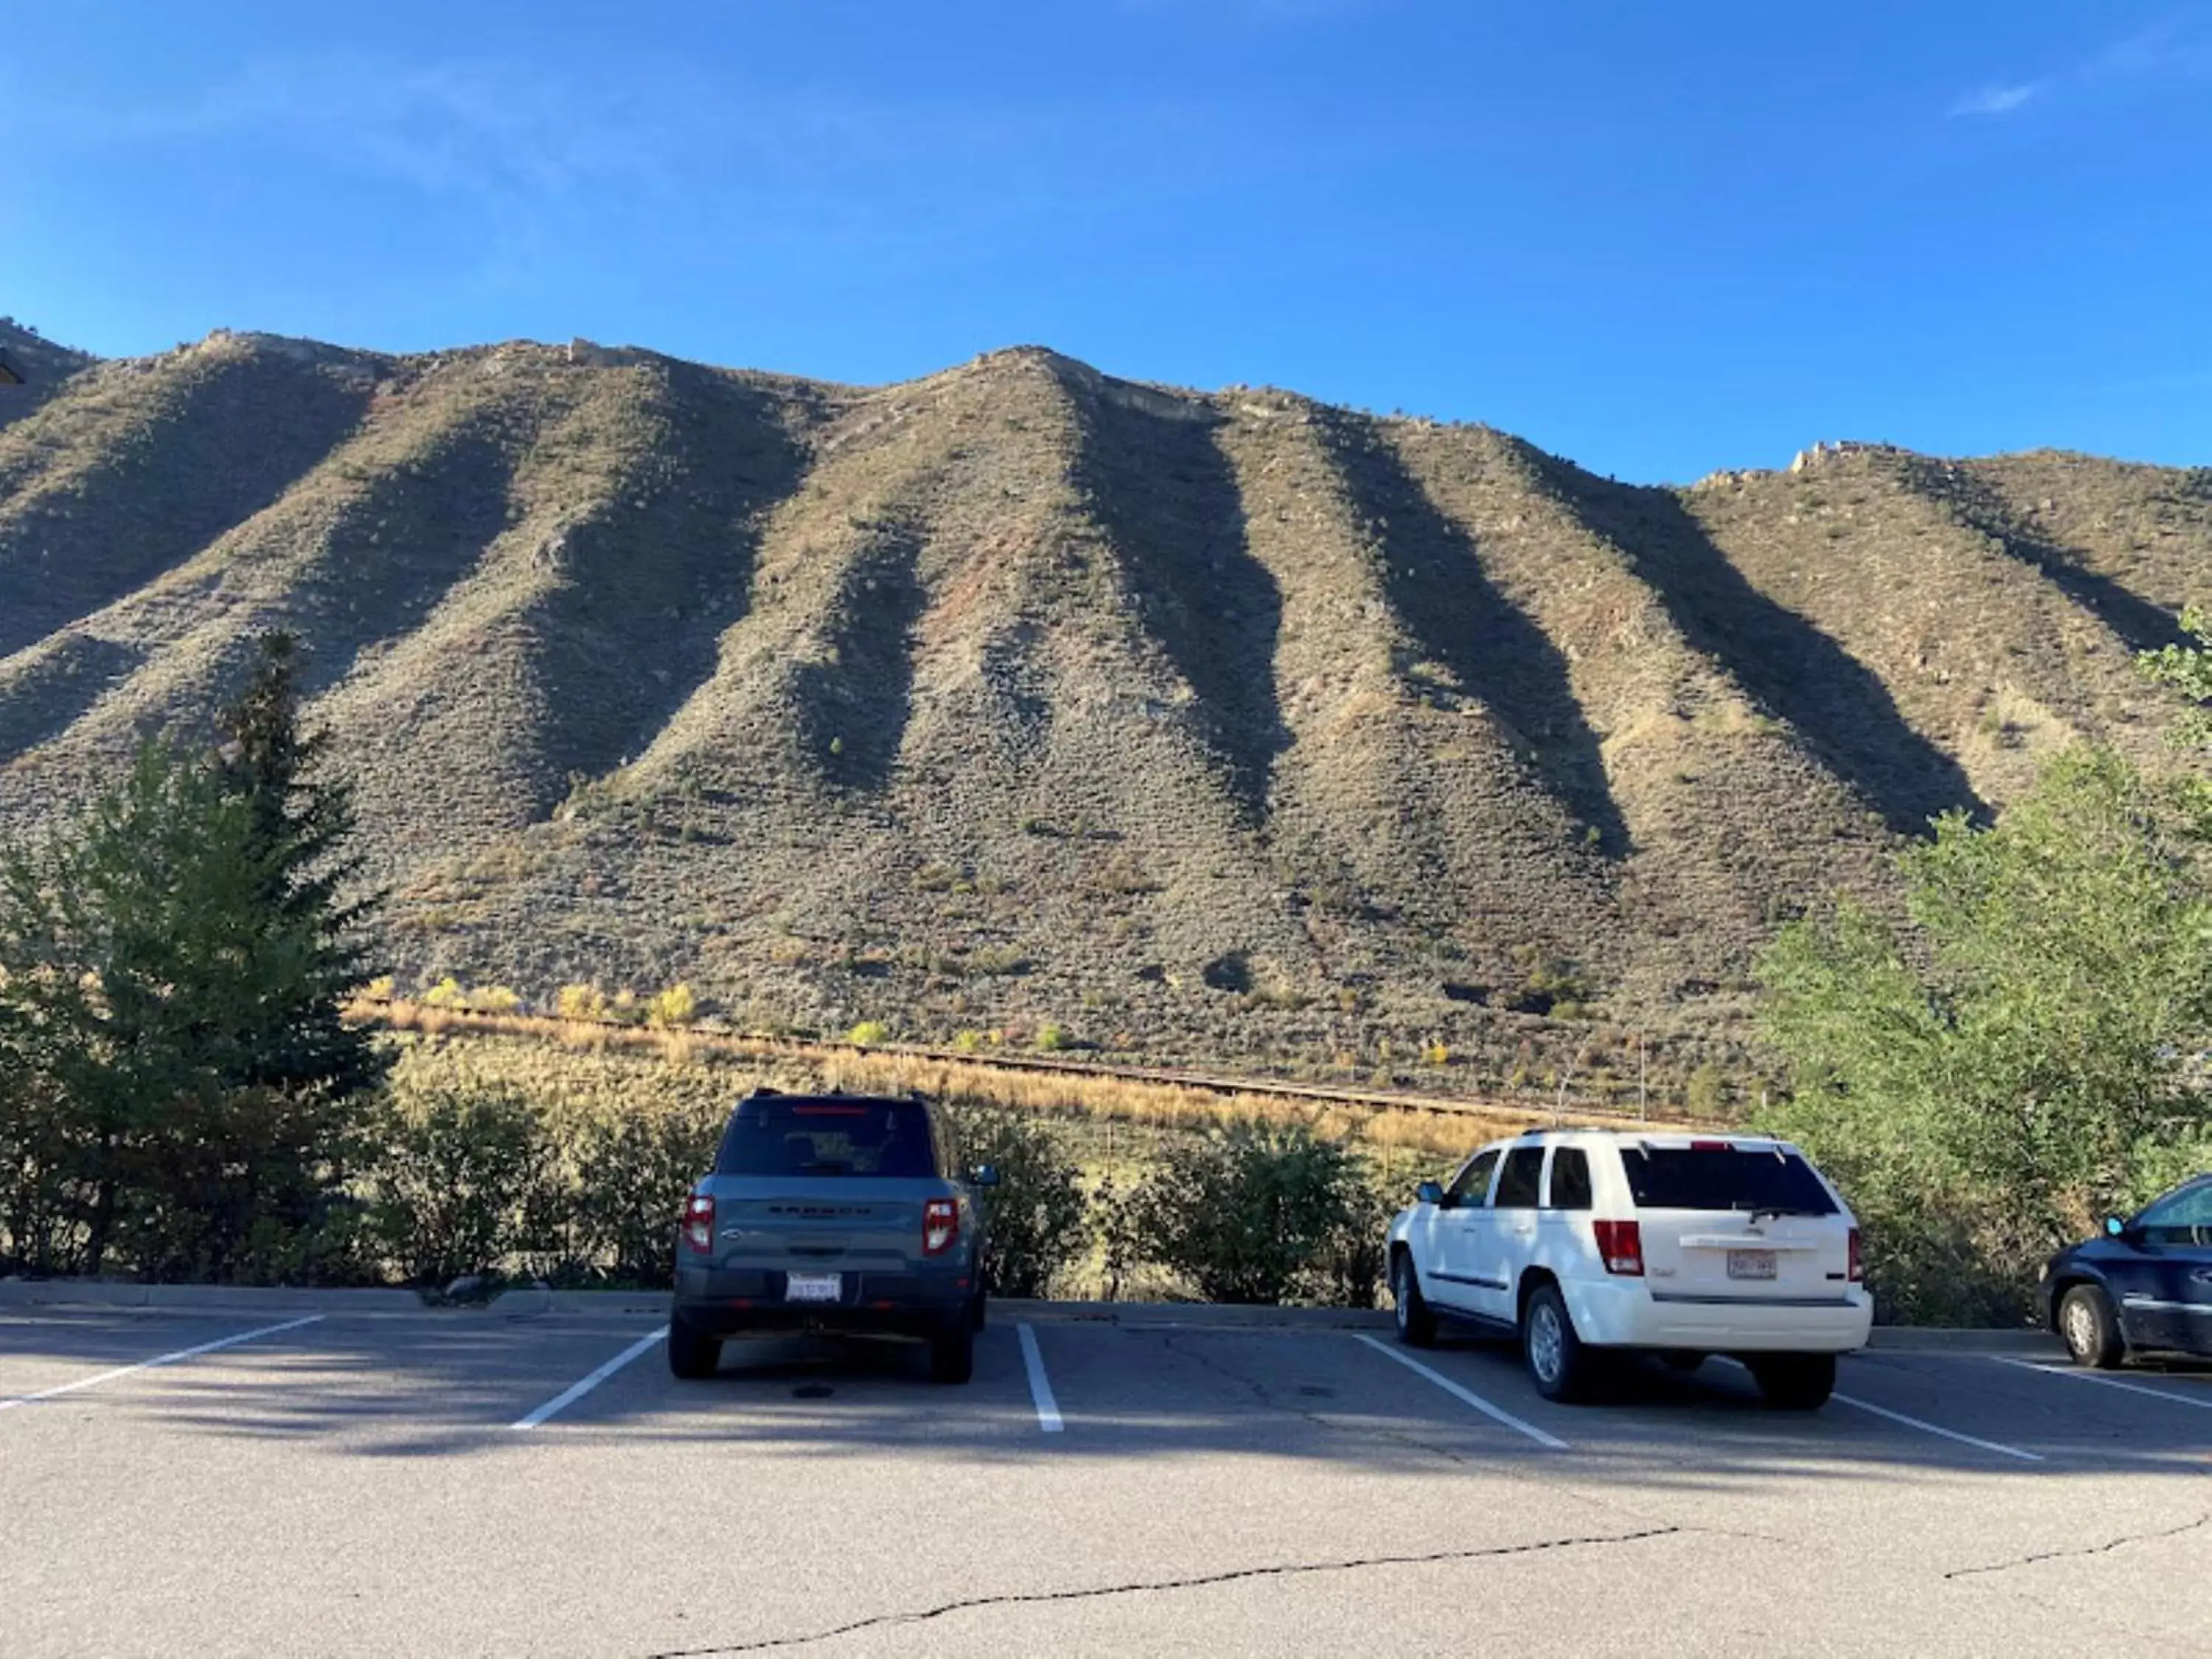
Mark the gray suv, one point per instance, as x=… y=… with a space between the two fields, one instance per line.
x=832 y=1212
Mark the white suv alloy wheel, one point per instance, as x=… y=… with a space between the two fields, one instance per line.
x=1548 y=1343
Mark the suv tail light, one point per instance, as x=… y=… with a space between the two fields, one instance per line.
x=699 y=1223
x=1621 y=1245
x=940 y=1225
x=1859 y=1269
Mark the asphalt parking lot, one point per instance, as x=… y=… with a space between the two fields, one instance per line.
x=479 y=1483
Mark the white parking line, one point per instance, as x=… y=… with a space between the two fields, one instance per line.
x=1468 y=1395
x=1048 y=1409
x=2203 y=1402
x=569 y=1395
x=149 y=1364
x=1930 y=1428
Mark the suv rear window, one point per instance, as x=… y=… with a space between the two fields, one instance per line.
x=1691 y=1178
x=796 y=1136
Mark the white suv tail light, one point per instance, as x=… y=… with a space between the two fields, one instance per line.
x=1858 y=1268
x=940 y=1225
x=1620 y=1245
x=699 y=1223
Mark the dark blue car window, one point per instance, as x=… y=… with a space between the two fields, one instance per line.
x=2180 y=1218
x=800 y=1137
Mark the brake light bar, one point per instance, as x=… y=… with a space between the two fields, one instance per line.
x=699 y=1223
x=1620 y=1246
x=1712 y=1145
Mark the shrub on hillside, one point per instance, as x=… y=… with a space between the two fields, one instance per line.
x=1039 y=1224
x=674 y=1007
x=1261 y=1212
x=582 y=1002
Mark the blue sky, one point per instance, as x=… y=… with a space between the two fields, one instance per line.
x=1656 y=237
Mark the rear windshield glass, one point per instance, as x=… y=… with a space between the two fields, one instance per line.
x=1683 y=1178
x=827 y=1138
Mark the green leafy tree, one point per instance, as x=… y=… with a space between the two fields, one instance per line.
x=2187 y=669
x=1989 y=1076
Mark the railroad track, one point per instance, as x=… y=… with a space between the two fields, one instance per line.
x=397 y=1012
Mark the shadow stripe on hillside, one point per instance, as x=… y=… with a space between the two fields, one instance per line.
x=1168 y=501
x=1838 y=706
x=1436 y=583
x=2135 y=621
x=159 y=488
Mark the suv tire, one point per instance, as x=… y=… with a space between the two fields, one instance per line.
x=691 y=1355
x=1417 y=1323
x=1795 y=1382
x=952 y=1355
x=2091 y=1334
x=1558 y=1365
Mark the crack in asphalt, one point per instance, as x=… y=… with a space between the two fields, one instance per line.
x=1153 y=1586
x=2105 y=1548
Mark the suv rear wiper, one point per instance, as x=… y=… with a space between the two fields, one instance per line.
x=1755 y=1210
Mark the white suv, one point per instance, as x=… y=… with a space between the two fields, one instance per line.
x=1578 y=1240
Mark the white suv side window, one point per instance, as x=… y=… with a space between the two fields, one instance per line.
x=1519 y=1186
x=1570 y=1180
x=1473 y=1185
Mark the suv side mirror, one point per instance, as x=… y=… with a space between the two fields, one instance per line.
x=2115 y=1227
x=1429 y=1192
x=986 y=1175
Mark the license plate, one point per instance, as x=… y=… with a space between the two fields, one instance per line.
x=819 y=1287
x=1751 y=1264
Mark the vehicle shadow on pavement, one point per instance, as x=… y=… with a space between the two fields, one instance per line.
x=435 y=1388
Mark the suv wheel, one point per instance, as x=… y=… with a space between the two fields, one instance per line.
x=1558 y=1363
x=1417 y=1325
x=952 y=1355
x=691 y=1355
x=2093 y=1336
x=1795 y=1382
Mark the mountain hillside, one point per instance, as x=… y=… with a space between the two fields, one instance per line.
x=1227 y=726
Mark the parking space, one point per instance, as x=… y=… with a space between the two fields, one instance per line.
x=543 y=1483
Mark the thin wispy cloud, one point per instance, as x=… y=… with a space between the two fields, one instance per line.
x=2178 y=46
x=1999 y=100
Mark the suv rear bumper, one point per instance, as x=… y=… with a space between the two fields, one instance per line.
x=720 y=1301
x=1626 y=1313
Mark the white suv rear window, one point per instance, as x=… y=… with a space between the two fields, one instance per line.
x=1724 y=1178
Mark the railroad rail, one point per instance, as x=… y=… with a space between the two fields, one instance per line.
x=1565 y=1109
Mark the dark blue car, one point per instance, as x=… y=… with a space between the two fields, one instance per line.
x=2144 y=1287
